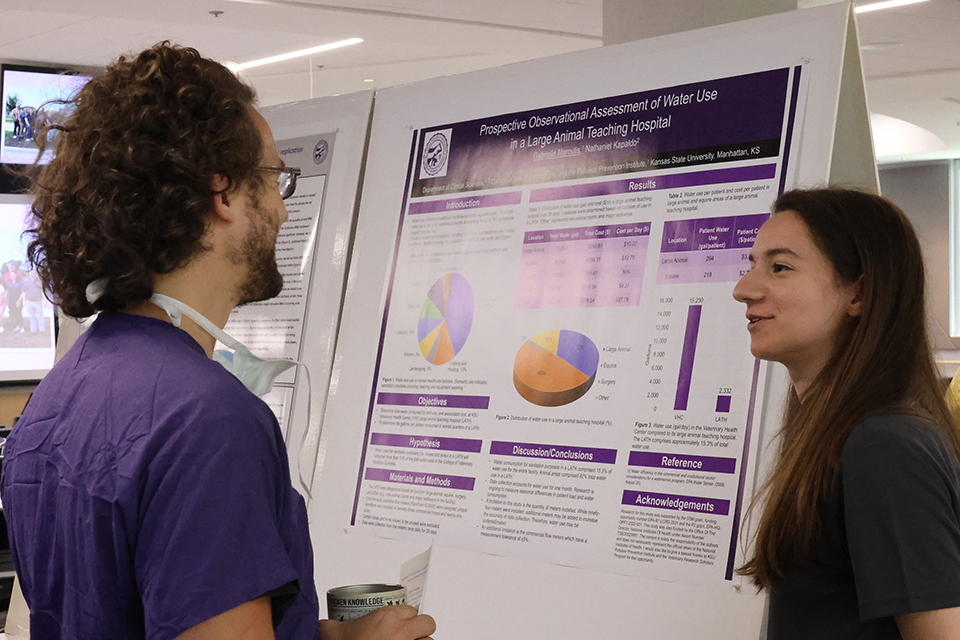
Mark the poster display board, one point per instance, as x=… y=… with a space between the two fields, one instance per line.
x=541 y=368
x=325 y=138
x=563 y=373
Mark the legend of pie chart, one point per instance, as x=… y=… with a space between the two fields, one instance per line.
x=555 y=367
x=445 y=319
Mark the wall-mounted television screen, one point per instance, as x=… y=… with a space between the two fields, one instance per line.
x=27 y=333
x=29 y=96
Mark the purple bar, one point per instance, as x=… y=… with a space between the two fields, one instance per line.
x=678 y=236
x=738 y=509
x=588 y=233
x=714 y=234
x=474 y=202
x=686 y=463
x=686 y=359
x=435 y=480
x=745 y=229
x=426 y=442
x=553 y=452
x=675 y=502
x=430 y=400
x=673 y=181
x=723 y=404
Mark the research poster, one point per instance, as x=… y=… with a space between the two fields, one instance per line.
x=562 y=373
x=274 y=328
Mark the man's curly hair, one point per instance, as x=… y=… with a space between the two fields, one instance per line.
x=128 y=193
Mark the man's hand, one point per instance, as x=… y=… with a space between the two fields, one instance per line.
x=399 y=622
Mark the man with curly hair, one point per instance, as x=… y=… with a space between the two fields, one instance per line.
x=146 y=489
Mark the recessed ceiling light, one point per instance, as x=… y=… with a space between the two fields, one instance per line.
x=293 y=54
x=887 y=4
x=880 y=46
x=368 y=79
x=895 y=137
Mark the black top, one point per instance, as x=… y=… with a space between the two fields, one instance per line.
x=891 y=540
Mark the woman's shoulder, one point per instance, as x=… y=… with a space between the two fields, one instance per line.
x=897 y=437
x=894 y=426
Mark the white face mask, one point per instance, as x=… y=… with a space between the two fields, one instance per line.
x=254 y=372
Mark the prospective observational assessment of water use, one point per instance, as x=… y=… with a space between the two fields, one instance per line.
x=562 y=372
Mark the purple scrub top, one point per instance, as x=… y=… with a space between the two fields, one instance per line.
x=146 y=490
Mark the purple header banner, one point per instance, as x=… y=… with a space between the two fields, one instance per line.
x=435 y=480
x=684 y=462
x=430 y=400
x=588 y=233
x=475 y=202
x=746 y=228
x=691 y=504
x=711 y=234
x=698 y=124
x=672 y=181
x=553 y=452
x=426 y=442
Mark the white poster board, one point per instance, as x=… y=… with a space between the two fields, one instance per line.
x=441 y=428
x=325 y=138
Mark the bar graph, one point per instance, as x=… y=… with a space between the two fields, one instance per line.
x=723 y=403
x=687 y=357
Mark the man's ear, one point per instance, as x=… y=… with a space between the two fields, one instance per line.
x=224 y=200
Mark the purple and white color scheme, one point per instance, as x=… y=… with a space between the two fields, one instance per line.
x=710 y=249
x=673 y=461
x=583 y=267
x=553 y=452
x=429 y=400
x=425 y=442
x=643 y=499
x=417 y=478
x=591 y=401
x=720 y=121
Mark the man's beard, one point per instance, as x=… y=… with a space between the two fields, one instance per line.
x=258 y=252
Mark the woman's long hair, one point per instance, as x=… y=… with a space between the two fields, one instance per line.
x=882 y=364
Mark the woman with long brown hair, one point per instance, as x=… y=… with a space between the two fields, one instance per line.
x=860 y=531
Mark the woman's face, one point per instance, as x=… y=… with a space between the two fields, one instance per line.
x=796 y=302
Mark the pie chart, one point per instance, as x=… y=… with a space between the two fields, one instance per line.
x=555 y=367
x=445 y=319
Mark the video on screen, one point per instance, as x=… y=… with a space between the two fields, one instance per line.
x=27 y=347
x=29 y=103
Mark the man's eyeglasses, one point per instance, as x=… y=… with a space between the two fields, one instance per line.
x=286 y=179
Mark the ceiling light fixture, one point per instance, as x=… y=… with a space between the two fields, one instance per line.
x=293 y=54
x=895 y=137
x=880 y=46
x=887 y=4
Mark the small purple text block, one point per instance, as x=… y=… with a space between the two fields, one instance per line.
x=436 y=480
x=474 y=202
x=435 y=401
x=690 y=504
x=685 y=462
x=553 y=452
x=426 y=442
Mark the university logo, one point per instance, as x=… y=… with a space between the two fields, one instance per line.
x=320 y=152
x=436 y=154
